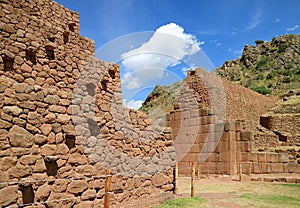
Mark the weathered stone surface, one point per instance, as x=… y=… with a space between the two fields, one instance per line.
x=88 y=194
x=49 y=149
x=20 y=171
x=26 y=68
x=46 y=129
x=52 y=99
x=63 y=119
x=50 y=118
x=39 y=166
x=77 y=186
x=20 y=137
x=84 y=204
x=7 y=28
x=69 y=130
x=8 y=162
x=77 y=159
x=14 y=110
x=8 y=195
x=40 y=139
x=57 y=109
x=34 y=118
x=43 y=193
x=28 y=159
x=3 y=134
x=159 y=179
x=4 y=124
x=38 y=100
x=60 y=200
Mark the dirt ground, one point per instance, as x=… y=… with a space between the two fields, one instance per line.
x=228 y=193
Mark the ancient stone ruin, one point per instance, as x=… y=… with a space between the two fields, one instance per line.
x=226 y=146
x=63 y=126
x=63 y=129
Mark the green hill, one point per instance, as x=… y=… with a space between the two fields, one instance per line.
x=268 y=68
x=162 y=97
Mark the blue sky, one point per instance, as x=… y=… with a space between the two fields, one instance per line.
x=219 y=28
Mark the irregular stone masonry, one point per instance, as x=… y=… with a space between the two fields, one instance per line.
x=240 y=103
x=218 y=146
x=286 y=127
x=62 y=123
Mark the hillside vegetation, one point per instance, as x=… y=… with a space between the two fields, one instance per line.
x=162 y=97
x=268 y=68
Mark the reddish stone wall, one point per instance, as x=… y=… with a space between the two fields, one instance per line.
x=220 y=147
x=225 y=147
x=62 y=123
x=240 y=103
x=286 y=127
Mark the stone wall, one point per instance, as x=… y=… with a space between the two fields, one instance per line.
x=285 y=126
x=240 y=103
x=62 y=123
x=222 y=146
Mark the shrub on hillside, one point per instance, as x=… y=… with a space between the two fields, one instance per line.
x=262 y=90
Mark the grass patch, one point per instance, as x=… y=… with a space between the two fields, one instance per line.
x=292 y=185
x=294 y=100
x=272 y=199
x=192 y=202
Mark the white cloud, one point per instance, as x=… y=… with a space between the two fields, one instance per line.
x=216 y=42
x=290 y=29
x=277 y=20
x=238 y=52
x=168 y=45
x=134 y=104
x=255 y=20
x=185 y=70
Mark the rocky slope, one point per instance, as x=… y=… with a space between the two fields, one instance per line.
x=268 y=68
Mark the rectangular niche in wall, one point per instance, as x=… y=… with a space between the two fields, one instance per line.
x=8 y=63
x=27 y=194
x=50 y=53
x=51 y=39
x=72 y=26
x=66 y=37
x=70 y=141
x=51 y=166
x=31 y=56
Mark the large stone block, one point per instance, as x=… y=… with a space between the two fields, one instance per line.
x=77 y=186
x=256 y=168
x=13 y=110
x=283 y=157
x=246 y=136
x=277 y=168
x=160 y=179
x=20 y=171
x=272 y=157
x=20 y=137
x=42 y=193
x=8 y=195
x=262 y=157
x=7 y=162
x=4 y=124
